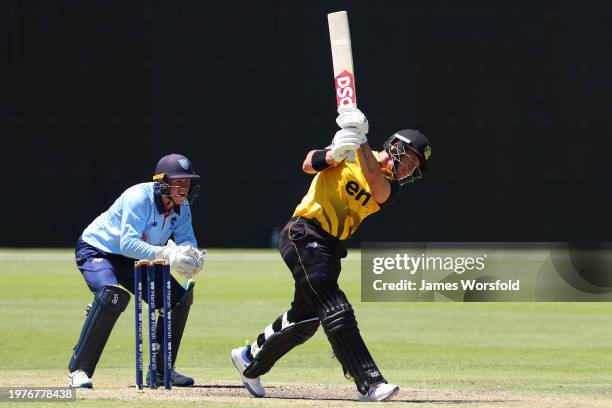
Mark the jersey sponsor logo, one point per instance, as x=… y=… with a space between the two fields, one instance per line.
x=312 y=245
x=345 y=89
x=353 y=189
x=96 y=260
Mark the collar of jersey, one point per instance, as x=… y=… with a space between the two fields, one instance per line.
x=159 y=203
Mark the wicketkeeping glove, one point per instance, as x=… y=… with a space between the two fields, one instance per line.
x=197 y=255
x=181 y=258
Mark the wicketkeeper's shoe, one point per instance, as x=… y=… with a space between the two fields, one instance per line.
x=79 y=379
x=240 y=358
x=178 y=379
x=379 y=391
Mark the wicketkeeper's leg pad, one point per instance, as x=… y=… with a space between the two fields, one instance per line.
x=276 y=341
x=180 y=312
x=109 y=302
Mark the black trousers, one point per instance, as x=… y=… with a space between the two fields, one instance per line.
x=313 y=256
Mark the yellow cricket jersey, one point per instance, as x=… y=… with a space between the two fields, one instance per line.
x=339 y=198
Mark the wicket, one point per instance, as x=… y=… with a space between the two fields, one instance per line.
x=153 y=268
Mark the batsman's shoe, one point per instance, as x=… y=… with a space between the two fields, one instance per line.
x=379 y=391
x=178 y=379
x=240 y=358
x=79 y=379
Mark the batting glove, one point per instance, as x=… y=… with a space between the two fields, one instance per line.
x=351 y=117
x=345 y=141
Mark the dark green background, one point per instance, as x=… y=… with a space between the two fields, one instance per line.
x=515 y=97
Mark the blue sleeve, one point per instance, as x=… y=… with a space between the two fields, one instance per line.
x=183 y=230
x=134 y=215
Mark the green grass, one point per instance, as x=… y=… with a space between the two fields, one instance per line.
x=556 y=350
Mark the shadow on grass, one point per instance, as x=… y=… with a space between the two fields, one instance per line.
x=411 y=401
x=220 y=386
x=280 y=395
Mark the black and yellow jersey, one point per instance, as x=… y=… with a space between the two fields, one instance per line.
x=339 y=199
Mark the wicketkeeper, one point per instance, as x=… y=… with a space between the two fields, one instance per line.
x=138 y=225
x=342 y=194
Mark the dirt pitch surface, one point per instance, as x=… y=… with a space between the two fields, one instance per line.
x=232 y=394
x=313 y=395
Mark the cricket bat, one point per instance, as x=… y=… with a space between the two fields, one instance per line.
x=342 y=57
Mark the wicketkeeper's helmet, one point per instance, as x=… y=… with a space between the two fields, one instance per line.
x=176 y=166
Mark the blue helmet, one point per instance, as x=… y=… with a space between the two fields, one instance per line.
x=176 y=166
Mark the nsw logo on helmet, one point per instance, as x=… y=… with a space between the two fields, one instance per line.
x=184 y=163
x=427 y=152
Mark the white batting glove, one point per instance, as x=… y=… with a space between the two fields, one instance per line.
x=340 y=154
x=351 y=117
x=345 y=141
x=182 y=261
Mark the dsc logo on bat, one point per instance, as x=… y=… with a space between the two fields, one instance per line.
x=345 y=89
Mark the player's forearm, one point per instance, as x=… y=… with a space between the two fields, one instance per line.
x=184 y=234
x=373 y=174
x=137 y=249
x=308 y=166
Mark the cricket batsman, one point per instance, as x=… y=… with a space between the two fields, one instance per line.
x=138 y=225
x=342 y=194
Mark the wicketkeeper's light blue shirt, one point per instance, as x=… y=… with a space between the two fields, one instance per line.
x=137 y=225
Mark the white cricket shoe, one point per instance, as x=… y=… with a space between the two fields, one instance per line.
x=79 y=379
x=379 y=391
x=241 y=362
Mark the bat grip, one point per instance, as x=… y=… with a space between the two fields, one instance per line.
x=351 y=156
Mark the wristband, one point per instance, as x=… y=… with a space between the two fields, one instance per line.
x=318 y=160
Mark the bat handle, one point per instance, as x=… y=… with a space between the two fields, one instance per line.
x=351 y=156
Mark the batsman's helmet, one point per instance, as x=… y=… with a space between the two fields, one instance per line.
x=176 y=166
x=399 y=144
